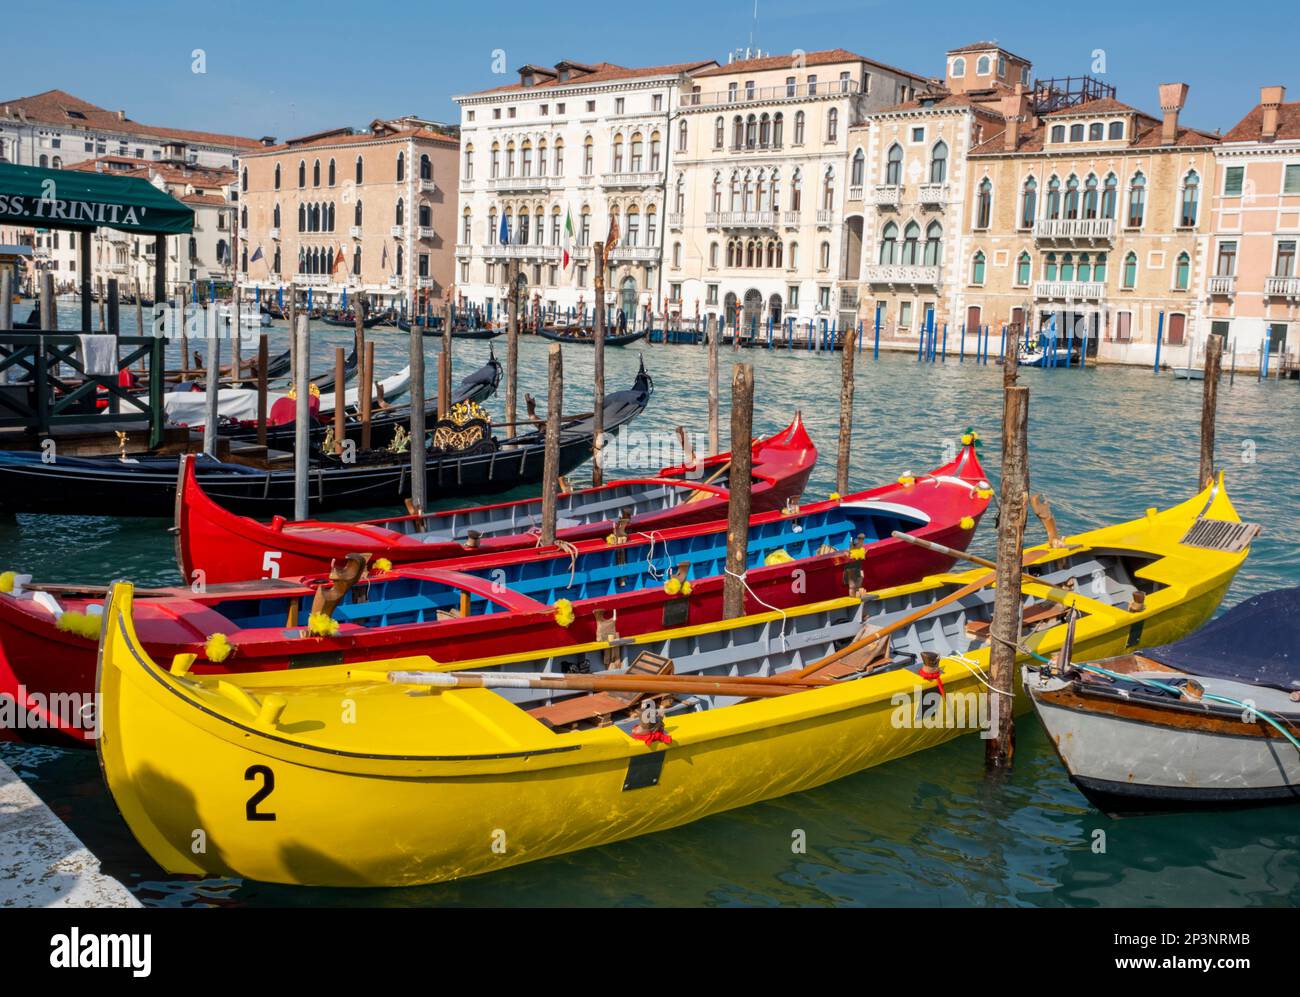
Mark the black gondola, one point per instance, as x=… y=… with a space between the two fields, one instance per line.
x=348 y=322
x=326 y=382
x=477 y=386
x=146 y=486
x=585 y=335
x=457 y=331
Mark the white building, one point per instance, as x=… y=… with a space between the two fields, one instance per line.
x=757 y=188
x=590 y=140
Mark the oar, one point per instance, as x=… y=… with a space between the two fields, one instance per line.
x=691 y=685
x=963 y=555
x=982 y=582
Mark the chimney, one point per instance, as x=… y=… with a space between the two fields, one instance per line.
x=1015 y=109
x=121 y=115
x=1270 y=99
x=1172 y=98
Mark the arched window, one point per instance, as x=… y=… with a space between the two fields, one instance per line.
x=651 y=225
x=330 y=215
x=302 y=174
x=713 y=255
x=1090 y=197
x=889 y=243
x=825 y=259
x=1191 y=196
x=939 y=162
x=315 y=173
x=656 y=151
x=1137 y=200
x=983 y=66
x=798 y=127
x=977 y=268
x=828 y=189
x=1022 y=270
x=765 y=130
x=679 y=195
x=526 y=159
x=1072 y=197
x=1109 y=194
x=794 y=256
x=1085 y=268
x=1054 y=198
x=911 y=240
x=637 y=164
x=1115 y=130
x=559 y=157
x=832 y=124
x=958 y=67
x=894 y=165
x=1058 y=133
x=1067 y=267
x=779 y=253
x=633 y=226
x=1096 y=131
x=588 y=156
x=243 y=217
x=1049 y=267
x=778 y=129
x=275 y=262
x=859 y=167
x=399 y=215
x=356 y=213
x=398 y=269
x=1028 y=202
x=933 y=244
x=356 y=260
x=1130 y=271
x=541 y=158
x=796 y=191
x=360 y=173
x=1099 y=269
x=984 y=204
x=681 y=135
x=302 y=218
x=401 y=166
x=467 y=167
x=751 y=131
x=425 y=215
x=426 y=167
x=275 y=215
x=243 y=180
x=1182 y=272
x=330 y=173
x=277 y=176
x=1076 y=132
x=719 y=132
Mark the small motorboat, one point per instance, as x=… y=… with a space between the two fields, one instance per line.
x=1209 y=722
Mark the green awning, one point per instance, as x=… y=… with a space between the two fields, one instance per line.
x=72 y=199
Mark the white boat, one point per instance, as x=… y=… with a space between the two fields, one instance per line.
x=1211 y=721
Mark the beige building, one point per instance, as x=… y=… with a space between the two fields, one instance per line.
x=1252 y=286
x=907 y=186
x=373 y=211
x=1085 y=210
x=758 y=181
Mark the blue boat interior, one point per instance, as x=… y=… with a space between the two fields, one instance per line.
x=600 y=573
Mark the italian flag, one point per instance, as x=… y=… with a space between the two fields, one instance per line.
x=568 y=238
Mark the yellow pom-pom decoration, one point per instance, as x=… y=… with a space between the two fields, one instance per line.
x=777 y=557
x=906 y=479
x=858 y=553
x=610 y=538
x=563 y=612
x=834 y=496
x=382 y=564
x=321 y=625
x=673 y=586
x=686 y=588
x=967 y=439
x=7 y=581
x=967 y=523
x=985 y=493
x=81 y=624
x=217 y=649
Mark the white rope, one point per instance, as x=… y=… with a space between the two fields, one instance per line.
x=973 y=667
x=651 y=570
x=775 y=609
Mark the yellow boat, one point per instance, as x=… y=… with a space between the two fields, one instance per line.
x=350 y=776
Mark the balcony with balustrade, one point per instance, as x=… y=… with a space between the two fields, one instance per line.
x=675 y=220
x=1282 y=287
x=1089 y=230
x=932 y=193
x=424 y=232
x=397 y=231
x=275 y=235
x=1070 y=290
x=885 y=195
x=504 y=185
x=354 y=231
x=902 y=275
x=1222 y=286
x=825 y=217
x=464 y=249
x=311 y=279
x=741 y=219
x=426 y=186
x=855 y=192
x=631 y=180
x=792 y=219
x=635 y=254
x=768 y=95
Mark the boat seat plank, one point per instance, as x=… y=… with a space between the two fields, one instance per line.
x=600 y=705
x=1044 y=612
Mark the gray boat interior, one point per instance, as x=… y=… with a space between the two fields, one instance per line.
x=791 y=642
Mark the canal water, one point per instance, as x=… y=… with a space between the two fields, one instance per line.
x=930 y=829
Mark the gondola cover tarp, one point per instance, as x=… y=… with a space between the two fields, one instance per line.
x=1257 y=641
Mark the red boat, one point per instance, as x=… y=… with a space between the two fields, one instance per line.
x=231 y=548
x=495 y=603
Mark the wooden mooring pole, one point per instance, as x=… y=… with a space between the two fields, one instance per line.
x=340 y=408
x=1209 y=404
x=213 y=387
x=367 y=388
x=713 y=330
x=48 y=305
x=551 y=467
x=598 y=349
x=512 y=341
x=419 y=479
x=444 y=383
x=6 y=299
x=846 y=411
x=302 y=414
x=1005 y=632
x=740 y=478
x=263 y=356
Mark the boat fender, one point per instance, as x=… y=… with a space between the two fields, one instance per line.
x=929 y=670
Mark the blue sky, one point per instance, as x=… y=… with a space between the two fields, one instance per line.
x=283 y=68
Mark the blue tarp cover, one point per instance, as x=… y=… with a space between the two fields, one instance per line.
x=1257 y=641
